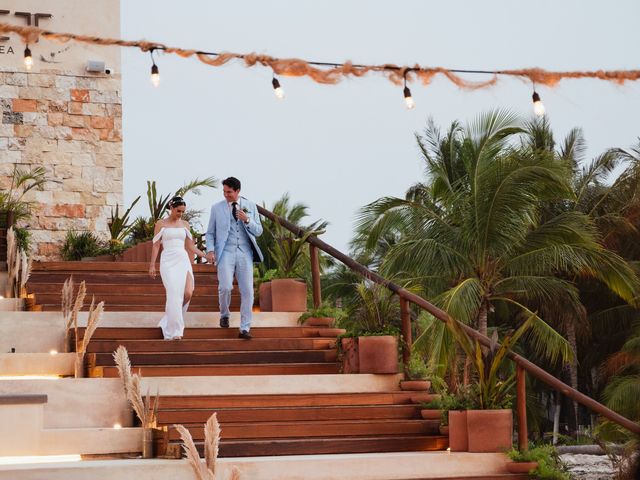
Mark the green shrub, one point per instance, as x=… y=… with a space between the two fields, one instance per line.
x=549 y=464
x=23 y=238
x=80 y=244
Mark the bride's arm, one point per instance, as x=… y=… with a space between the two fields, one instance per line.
x=154 y=250
x=190 y=246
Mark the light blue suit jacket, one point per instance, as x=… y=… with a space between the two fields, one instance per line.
x=220 y=223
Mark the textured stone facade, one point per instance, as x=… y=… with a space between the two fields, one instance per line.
x=72 y=125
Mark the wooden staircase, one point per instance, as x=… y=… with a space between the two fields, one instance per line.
x=216 y=351
x=123 y=286
x=3 y=250
x=269 y=424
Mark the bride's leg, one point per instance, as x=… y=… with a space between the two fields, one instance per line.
x=188 y=289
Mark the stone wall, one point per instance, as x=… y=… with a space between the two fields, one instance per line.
x=72 y=125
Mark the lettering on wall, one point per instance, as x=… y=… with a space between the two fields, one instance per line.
x=29 y=18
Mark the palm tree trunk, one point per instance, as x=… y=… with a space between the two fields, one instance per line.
x=573 y=365
x=482 y=317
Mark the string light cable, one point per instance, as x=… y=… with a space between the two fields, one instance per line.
x=331 y=72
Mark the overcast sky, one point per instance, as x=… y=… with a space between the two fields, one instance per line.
x=336 y=148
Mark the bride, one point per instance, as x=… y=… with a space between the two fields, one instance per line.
x=175 y=267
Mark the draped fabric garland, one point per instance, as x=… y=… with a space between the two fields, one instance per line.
x=327 y=72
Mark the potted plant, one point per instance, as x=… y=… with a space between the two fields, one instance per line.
x=370 y=320
x=540 y=462
x=287 y=291
x=490 y=423
x=323 y=316
x=12 y=203
x=417 y=374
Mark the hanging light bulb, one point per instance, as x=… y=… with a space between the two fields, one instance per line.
x=28 y=59
x=408 y=99
x=155 y=75
x=155 y=71
x=277 y=89
x=538 y=106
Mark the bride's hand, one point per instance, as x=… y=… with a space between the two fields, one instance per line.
x=152 y=271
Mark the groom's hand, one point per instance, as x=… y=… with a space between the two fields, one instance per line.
x=211 y=257
x=242 y=215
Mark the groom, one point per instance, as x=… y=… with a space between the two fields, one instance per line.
x=234 y=225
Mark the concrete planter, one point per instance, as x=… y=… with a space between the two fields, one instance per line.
x=378 y=354
x=12 y=304
x=415 y=385
x=283 y=295
x=288 y=295
x=349 y=356
x=319 y=322
x=430 y=414
x=458 y=433
x=521 y=467
x=490 y=430
x=264 y=296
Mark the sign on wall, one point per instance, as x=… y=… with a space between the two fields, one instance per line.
x=95 y=17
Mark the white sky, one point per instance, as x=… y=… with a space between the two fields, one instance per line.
x=339 y=147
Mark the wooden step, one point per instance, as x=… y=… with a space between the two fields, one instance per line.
x=215 y=402
x=142 y=308
x=124 y=298
x=213 y=370
x=39 y=279
x=310 y=429
x=110 y=288
x=289 y=414
x=327 y=445
x=218 y=358
x=141 y=267
x=115 y=333
x=210 y=345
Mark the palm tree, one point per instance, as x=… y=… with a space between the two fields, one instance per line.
x=474 y=233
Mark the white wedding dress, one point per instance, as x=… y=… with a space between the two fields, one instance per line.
x=174 y=268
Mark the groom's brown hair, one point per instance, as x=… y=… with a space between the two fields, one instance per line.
x=232 y=182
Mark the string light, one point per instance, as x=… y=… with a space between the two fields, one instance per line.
x=28 y=59
x=155 y=71
x=538 y=106
x=277 y=89
x=408 y=99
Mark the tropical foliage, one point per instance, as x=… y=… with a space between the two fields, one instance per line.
x=22 y=182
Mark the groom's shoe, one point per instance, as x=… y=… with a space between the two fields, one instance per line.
x=244 y=334
x=224 y=322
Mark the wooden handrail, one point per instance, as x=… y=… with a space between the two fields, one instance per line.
x=522 y=362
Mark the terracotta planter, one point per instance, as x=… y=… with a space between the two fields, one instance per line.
x=415 y=385
x=100 y=258
x=288 y=295
x=264 y=296
x=521 y=467
x=458 y=433
x=349 y=356
x=378 y=354
x=138 y=253
x=490 y=430
x=430 y=414
x=319 y=322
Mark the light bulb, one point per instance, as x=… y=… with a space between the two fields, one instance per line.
x=28 y=59
x=53 y=352
x=155 y=75
x=408 y=99
x=277 y=89
x=538 y=106
x=117 y=426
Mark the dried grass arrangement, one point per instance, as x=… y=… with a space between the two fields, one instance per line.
x=95 y=314
x=146 y=408
x=18 y=267
x=71 y=306
x=212 y=432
